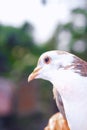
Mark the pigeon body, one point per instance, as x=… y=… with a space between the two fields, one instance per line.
x=68 y=74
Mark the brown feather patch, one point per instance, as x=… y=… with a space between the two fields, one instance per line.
x=79 y=66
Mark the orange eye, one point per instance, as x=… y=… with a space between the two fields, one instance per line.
x=47 y=60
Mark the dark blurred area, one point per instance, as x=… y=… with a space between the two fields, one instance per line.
x=23 y=105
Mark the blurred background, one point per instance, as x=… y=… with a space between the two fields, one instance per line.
x=27 y=29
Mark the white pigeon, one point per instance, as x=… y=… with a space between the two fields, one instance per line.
x=68 y=74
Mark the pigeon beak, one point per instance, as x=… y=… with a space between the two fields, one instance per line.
x=34 y=74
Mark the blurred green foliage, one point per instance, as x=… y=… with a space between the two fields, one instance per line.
x=18 y=51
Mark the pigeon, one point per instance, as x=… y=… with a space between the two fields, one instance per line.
x=68 y=75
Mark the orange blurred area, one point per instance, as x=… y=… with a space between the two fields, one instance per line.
x=57 y=122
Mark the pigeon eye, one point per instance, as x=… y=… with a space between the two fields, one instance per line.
x=47 y=60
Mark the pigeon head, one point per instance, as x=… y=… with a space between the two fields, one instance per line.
x=50 y=63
